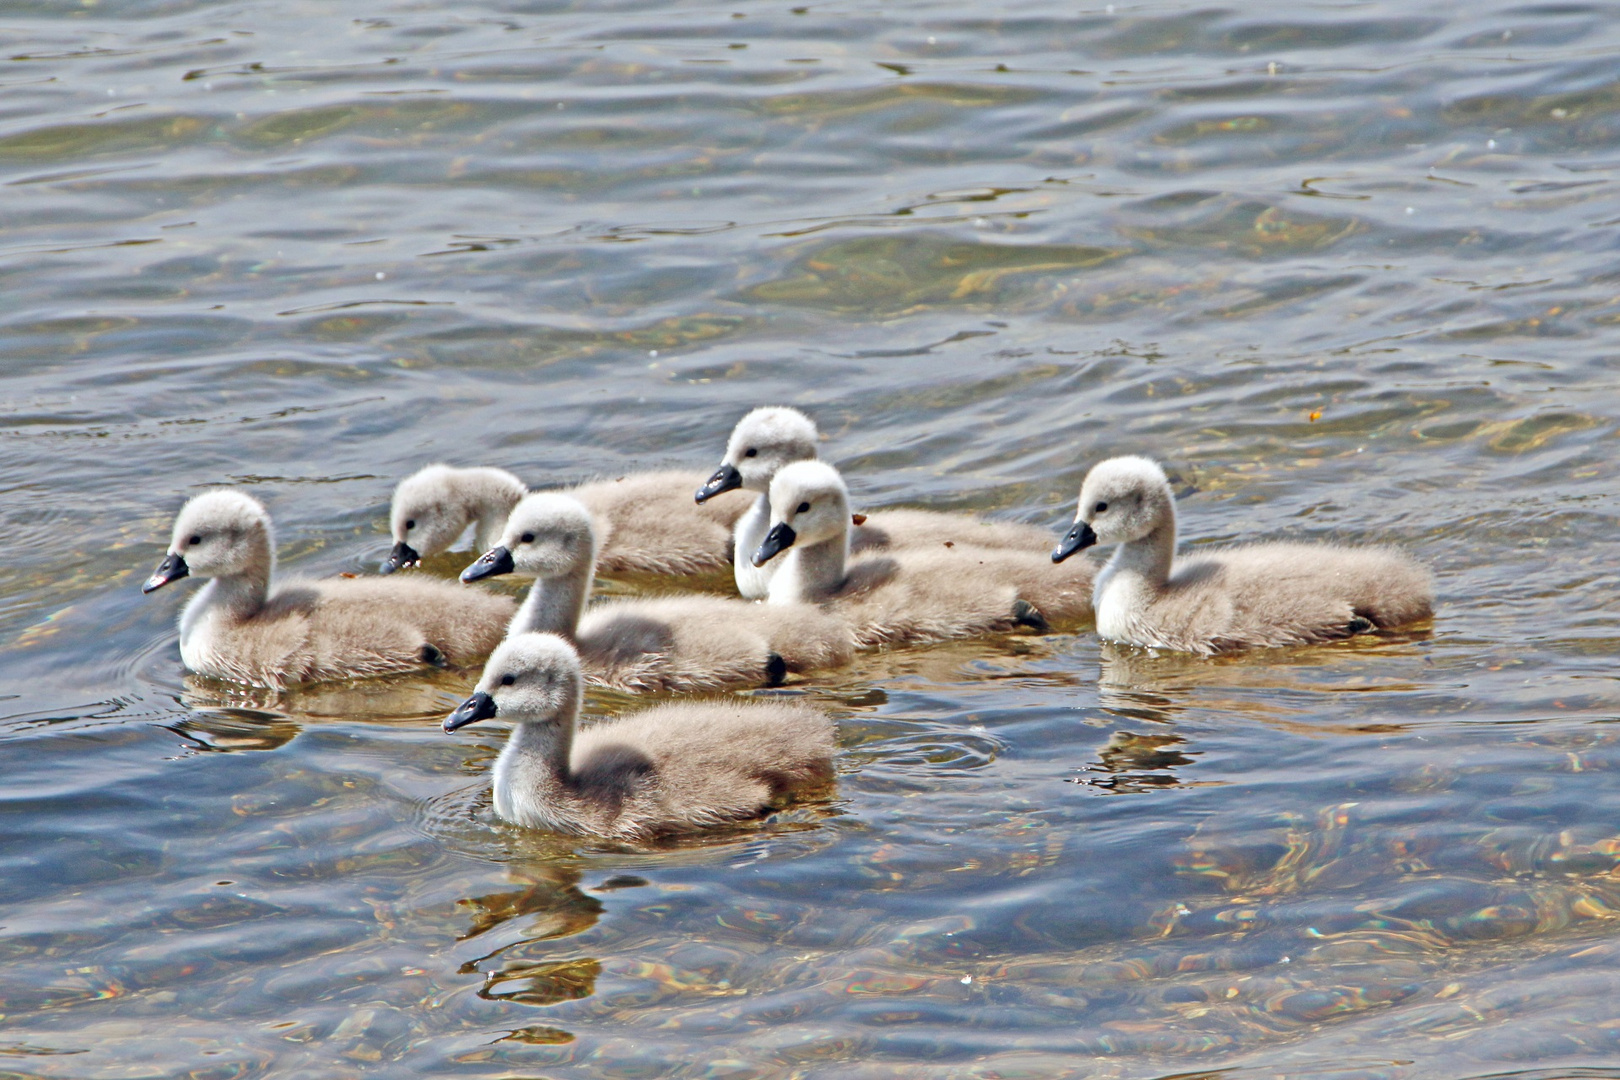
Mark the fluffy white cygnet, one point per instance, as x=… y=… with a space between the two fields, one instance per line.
x=769 y=438
x=1243 y=597
x=644 y=521
x=688 y=642
x=674 y=768
x=907 y=595
x=433 y=506
x=239 y=627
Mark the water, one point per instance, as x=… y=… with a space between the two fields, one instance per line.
x=1348 y=269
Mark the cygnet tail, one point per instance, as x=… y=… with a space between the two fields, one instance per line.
x=1393 y=590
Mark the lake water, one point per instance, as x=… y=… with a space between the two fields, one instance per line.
x=1349 y=269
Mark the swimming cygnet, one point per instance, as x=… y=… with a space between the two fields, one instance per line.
x=644 y=521
x=1253 y=596
x=769 y=438
x=673 y=768
x=689 y=642
x=907 y=595
x=238 y=627
x=433 y=506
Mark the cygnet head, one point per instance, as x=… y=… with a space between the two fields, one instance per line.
x=218 y=534
x=1122 y=499
x=546 y=536
x=761 y=444
x=529 y=679
x=809 y=505
x=432 y=506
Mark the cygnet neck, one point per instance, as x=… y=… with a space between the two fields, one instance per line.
x=554 y=604
x=247 y=592
x=812 y=572
x=1148 y=560
x=489 y=501
x=535 y=761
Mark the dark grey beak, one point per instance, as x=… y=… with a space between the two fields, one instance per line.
x=778 y=540
x=478 y=707
x=172 y=568
x=403 y=557
x=1076 y=539
x=497 y=560
x=725 y=478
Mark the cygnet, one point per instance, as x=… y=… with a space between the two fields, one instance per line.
x=433 y=506
x=769 y=438
x=239 y=627
x=674 y=768
x=907 y=595
x=644 y=521
x=1258 y=595
x=686 y=642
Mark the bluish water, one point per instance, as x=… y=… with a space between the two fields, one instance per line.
x=1348 y=269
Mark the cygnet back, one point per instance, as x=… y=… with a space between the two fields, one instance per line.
x=1251 y=596
x=673 y=768
x=647 y=523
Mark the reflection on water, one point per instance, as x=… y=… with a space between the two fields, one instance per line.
x=235 y=729
x=1347 y=270
x=1132 y=763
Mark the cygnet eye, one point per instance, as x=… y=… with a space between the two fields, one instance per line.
x=194 y=541
x=508 y=680
x=1099 y=508
x=410 y=523
x=527 y=538
x=751 y=452
x=804 y=508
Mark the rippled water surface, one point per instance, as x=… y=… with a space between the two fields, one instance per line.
x=1349 y=269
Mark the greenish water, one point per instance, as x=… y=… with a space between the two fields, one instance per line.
x=1348 y=269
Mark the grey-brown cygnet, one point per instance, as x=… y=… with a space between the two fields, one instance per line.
x=771 y=437
x=1243 y=597
x=686 y=642
x=673 y=768
x=910 y=594
x=239 y=627
x=644 y=521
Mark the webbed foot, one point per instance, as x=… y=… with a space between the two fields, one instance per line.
x=1027 y=614
x=776 y=670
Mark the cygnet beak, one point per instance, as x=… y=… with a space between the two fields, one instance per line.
x=478 y=707
x=403 y=557
x=1077 y=539
x=172 y=568
x=778 y=540
x=725 y=478
x=497 y=560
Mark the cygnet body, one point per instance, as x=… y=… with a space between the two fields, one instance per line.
x=1257 y=595
x=644 y=522
x=772 y=437
x=674 y=768
x=238 y=627
x=659 y=643
x=906 y=595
